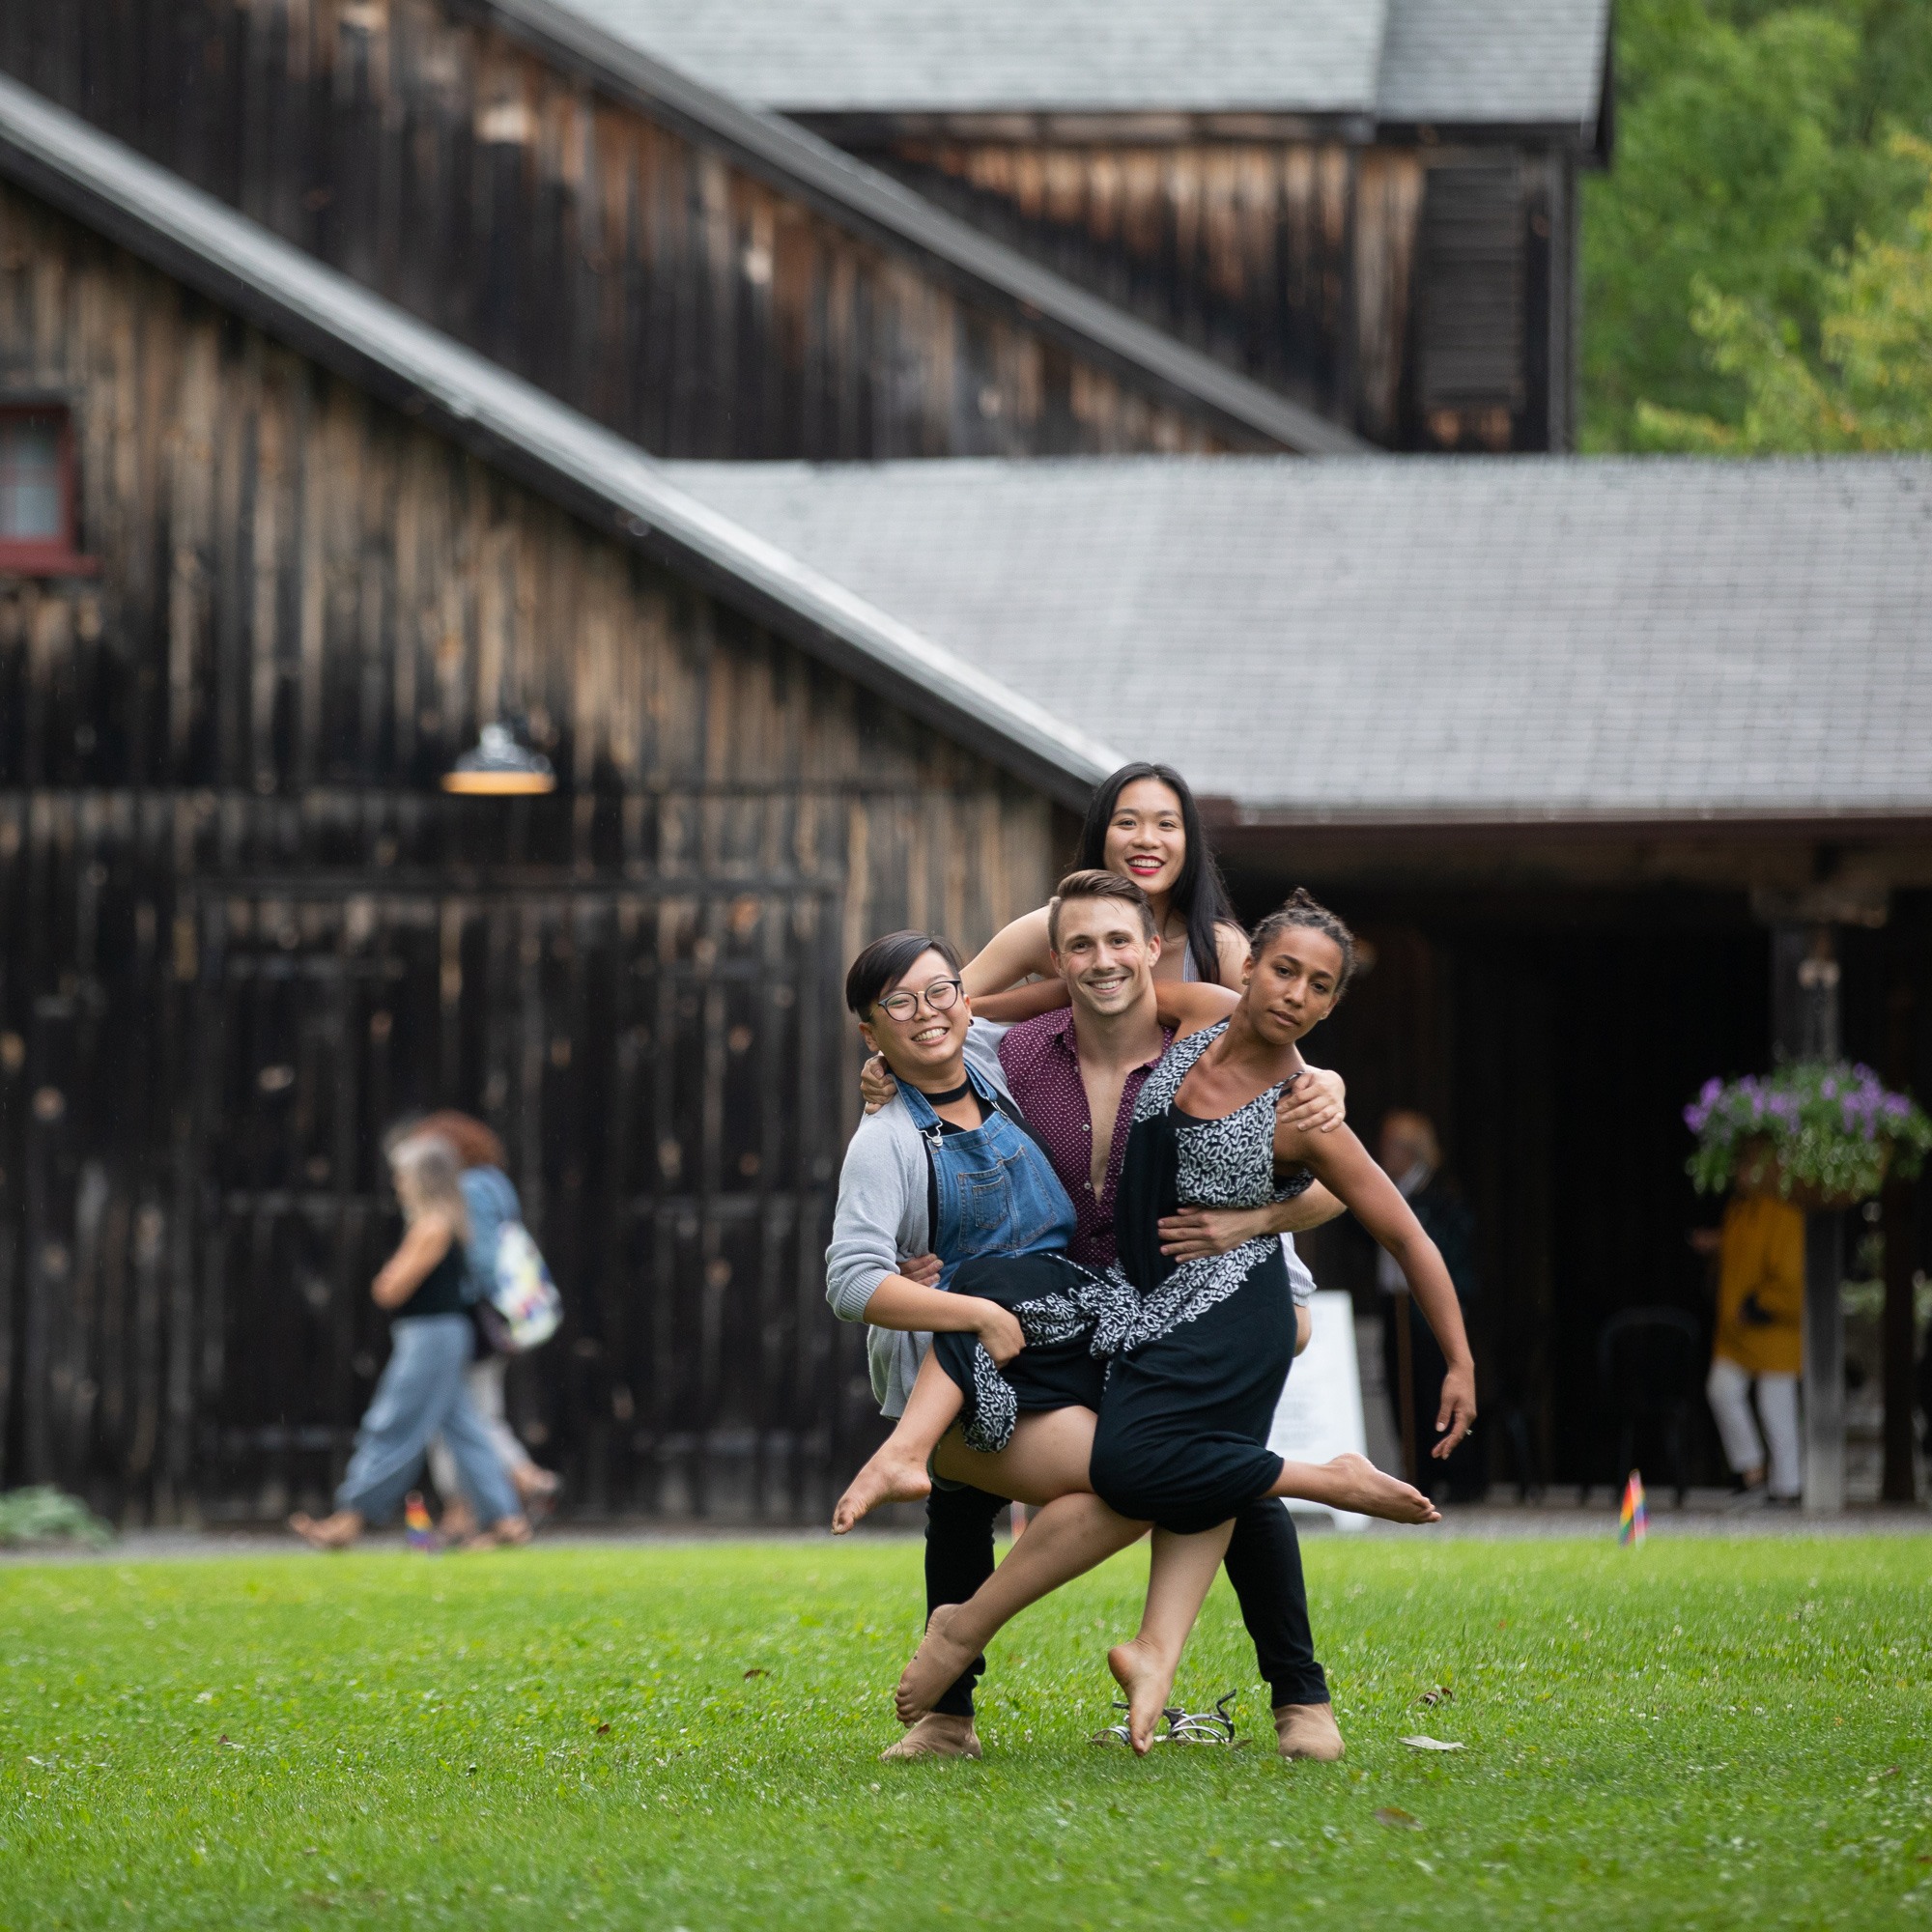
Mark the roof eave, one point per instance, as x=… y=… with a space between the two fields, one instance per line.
x=1817 y=819
x=530 y=436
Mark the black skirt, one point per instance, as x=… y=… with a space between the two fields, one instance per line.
x=1182 y=1436
x=1057 y=1374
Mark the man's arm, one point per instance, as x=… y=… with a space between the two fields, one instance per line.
x=1213 y=1230
x=1192 y=1006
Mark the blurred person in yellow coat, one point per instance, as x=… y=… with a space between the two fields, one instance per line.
x=1760 y=1347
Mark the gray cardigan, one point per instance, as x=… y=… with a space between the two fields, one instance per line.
x=881 y=1221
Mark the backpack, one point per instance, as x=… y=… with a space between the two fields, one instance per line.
x=520 y=1308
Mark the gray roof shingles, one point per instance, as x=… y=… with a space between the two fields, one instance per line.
x=1421 y=640
x=1494 y=62
x=1477 y=61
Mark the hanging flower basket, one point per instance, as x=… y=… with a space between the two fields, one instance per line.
x=1821 y=1135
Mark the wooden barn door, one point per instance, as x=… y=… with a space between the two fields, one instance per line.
x=661 y=1068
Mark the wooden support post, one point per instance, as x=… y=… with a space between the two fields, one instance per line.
x=1900 y=1482
x=1824 y=1366
x=1804 y=1022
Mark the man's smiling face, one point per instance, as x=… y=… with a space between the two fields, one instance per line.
x=1105 y=954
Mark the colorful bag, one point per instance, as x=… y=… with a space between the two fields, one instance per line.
x=520 y=1308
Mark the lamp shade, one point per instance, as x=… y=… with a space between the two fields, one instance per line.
x=500 y=768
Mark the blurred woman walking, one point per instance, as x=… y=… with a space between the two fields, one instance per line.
x=491 y=1200
x=421 y=1390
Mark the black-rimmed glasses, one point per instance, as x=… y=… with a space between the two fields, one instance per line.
x=940 y=997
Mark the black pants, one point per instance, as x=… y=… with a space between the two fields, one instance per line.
x=1263 y=1565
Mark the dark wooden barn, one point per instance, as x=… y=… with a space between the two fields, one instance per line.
x=704 y=279
x=269 y=553
x=1369 y=206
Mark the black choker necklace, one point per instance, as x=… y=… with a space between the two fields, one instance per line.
x=951 y=1093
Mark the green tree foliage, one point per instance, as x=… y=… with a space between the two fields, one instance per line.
x=1761 y=190
x=1868 y=386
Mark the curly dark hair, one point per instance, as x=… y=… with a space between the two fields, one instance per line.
x=1302 y=908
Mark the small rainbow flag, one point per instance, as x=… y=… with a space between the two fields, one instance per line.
x=1634 y=1519
x=418 y=1532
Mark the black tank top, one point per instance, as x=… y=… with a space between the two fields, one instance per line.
x=440 y=1289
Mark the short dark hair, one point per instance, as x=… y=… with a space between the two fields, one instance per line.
x=1198 y=896
x=1302 y=909
x=886 y=962
x=1095 y=882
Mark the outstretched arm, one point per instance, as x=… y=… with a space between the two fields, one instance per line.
x=1022 y=1003
x=1342 y=1164
x=1015 y=953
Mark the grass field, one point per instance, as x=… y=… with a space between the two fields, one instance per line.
x=1696 y=1733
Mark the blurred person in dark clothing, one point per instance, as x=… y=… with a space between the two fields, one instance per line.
x=1411 y=1156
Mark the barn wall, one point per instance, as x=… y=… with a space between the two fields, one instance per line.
x=1419 y=296
x=641 y=278
x=242 y=931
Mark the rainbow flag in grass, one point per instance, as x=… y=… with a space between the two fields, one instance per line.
x=1634 y=1518
x=417 y=1530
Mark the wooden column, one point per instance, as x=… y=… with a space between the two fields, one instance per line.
x=1900 y=1483
x=1805 y=1026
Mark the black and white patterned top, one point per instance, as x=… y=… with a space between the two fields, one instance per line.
x=1224 y=1163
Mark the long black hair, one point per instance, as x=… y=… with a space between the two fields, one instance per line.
x=1199 y=893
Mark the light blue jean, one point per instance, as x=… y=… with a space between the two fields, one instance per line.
x=420 y=1394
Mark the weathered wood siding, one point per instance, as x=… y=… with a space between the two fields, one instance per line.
x=242 y=931
x=642 y=278
x=1418 y=295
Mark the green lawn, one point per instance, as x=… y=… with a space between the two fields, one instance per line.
x=1696 y=1733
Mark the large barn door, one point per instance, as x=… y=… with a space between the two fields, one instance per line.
x=661 y=1067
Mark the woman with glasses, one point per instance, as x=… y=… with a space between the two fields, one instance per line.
x=946 y=1171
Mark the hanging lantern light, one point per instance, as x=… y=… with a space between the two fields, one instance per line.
x=500 y=768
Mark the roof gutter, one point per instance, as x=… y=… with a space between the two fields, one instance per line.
x=609 y=482
x=867 y=201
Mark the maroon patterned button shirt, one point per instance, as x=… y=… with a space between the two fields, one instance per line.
x=1042 y=1069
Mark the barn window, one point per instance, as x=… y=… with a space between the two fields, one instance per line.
x=38 y=532
x=1471 y=352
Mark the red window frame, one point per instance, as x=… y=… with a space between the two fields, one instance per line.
x=61 y=556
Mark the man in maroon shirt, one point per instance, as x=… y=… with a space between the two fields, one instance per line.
x=1075 y=1074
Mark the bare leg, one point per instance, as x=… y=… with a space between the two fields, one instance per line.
x=1047 y=1457
x=1067 y=1538
x=1178 y=1579
x=1351 y=1482
x=896 y=1470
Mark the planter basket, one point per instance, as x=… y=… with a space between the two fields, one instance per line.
x=1822 y=1135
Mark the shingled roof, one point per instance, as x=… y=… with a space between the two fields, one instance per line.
x=1475 y=62
x=1422 y=641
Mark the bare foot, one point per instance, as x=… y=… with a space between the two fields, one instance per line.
x=937 y=1734
x=887 y=1478
x=1365 y=1489
x=935 y=1663
x=506 y=1532
x=1147 y=1680
x=1308 y=1730
x=334 y=1532
x=459 y=1522
x=538 y=1489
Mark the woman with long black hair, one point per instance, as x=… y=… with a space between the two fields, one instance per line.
x=1143 y=823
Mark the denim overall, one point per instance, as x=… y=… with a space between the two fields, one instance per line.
x=997 y=1192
